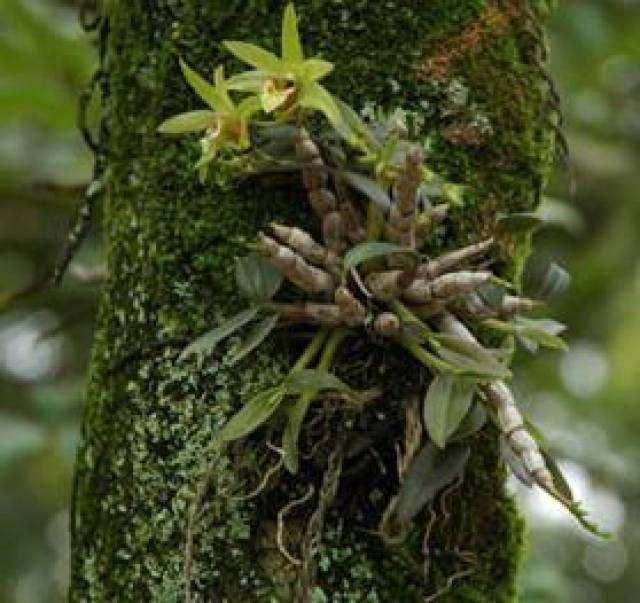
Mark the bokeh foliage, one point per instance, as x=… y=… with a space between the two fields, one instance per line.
x=586 y=400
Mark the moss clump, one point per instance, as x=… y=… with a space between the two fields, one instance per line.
x=171 y=244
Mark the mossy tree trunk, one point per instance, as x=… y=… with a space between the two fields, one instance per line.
x=471 y=68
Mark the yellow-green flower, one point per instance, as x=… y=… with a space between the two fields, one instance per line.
x=287 y=83
x=225 y=125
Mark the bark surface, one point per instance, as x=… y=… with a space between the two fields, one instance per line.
x=472 y=69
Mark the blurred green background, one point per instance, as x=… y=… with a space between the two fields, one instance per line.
x=585 y=400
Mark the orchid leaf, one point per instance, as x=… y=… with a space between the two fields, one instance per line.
x=470 y=357
x=317 y=97
x=255 y=337
x=429 y=472
x=314 y=380
x=370 y=250
x=369 y=188
x=256 y=278
x=473 y=422
x=206 y=343
x=446 y=403
x=252 y=415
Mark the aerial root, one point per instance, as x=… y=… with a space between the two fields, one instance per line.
x=281 y=515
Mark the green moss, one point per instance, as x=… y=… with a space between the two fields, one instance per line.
x=171 y=244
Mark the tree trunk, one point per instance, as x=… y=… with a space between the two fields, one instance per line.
x=472 y=69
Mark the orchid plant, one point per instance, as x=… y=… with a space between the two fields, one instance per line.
x=373 y=196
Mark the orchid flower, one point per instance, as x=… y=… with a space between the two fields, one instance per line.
x=225 y=124
x=287 y=83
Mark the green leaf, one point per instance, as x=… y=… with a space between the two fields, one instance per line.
x=446 y=403
x=430 y=471
x=353 y=129
x=532 y=332
x=256 y=278
x=295 y=416
x=370 y=250
x=291 y=45
x=207 y=342
x=474 y=421
x=562 y=486
x=316 y=69
x=469 y=357
x=306 y=381
x=369 y=188
x=252 y=415
x=257 y=57
x=256 y=336
x=191 y=121
x=542 y=331
x=317 y=97
x=454 y=193
x=206 y=91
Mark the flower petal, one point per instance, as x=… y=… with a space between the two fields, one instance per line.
x=191 y=121
x=257 y=57
x=206 y=91
x=291 y=45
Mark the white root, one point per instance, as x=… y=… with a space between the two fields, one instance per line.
x=309 y=278
x=305 y=245
x=475 y=306
x=387 y=324
x=512 y=305
x=506 y=413
x=388 y=285
x=447 y=262
x=326 y=315
x=422 y=291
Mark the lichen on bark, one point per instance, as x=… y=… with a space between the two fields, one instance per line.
x=171 y=244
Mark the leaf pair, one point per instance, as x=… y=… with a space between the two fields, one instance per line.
x=532 y=332
x=259 y=409
x=469 y=358
x=259 y=281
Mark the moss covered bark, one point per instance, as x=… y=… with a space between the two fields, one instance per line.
x=470 y=68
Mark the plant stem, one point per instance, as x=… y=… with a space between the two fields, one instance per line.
x=375 y=222
x=431 y=361
x=315 y=345
x=299 y=409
